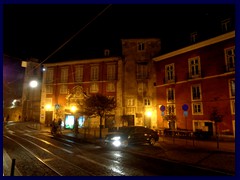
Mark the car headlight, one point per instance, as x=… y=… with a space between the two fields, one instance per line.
x=116 y=138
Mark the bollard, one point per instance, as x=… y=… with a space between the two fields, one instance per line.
x=12 y=168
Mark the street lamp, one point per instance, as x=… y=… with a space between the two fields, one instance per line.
x=73 y=110
x=33 y=83
x=149 y=113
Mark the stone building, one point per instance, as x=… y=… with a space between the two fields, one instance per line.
x=138 y=76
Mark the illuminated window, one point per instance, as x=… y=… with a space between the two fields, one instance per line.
x=49 y=89
x=94 y=73
x=232 y=106
x=169 y=73
x=94 y=88
x=110 y=87
x=64 y=75
x=196 y=92
x=170 y=109
x=232 y=87
x=230 y=59
x=63 y=89
x=147 y=102
x=111 y=72
x=49 y=76
x=130 y=102
x=194 y=67
x=170 y=95
x=79 y=73
x=197 y=108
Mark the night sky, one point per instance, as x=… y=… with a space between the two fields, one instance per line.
x=39 y=30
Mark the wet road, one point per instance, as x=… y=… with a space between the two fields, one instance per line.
x=40 y=154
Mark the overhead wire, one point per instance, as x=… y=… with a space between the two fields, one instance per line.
x=73 y=36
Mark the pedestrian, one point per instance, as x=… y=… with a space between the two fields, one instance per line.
x=60 y=125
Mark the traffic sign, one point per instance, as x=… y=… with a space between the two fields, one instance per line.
x=162 y=108
x=185 y=107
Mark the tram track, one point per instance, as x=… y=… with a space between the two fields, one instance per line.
x=50 y=160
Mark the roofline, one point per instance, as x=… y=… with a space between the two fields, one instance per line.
x=197 y=46
x=83 y=61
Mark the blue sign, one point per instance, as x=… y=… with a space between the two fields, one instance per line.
x=162 y=108
x=185 y=113
x=185 y=107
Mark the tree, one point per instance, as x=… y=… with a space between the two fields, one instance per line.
x=171 y=118
x=99 y=105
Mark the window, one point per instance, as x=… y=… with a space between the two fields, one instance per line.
x=63 y=89
x=49 y=89
x=142 y=71
x=170 y=95
x=194 y=67
x=49 y=76
x=94 y=72
x=232 y=106
x=232 y=87
x=230 y=59
x=64 y=75
x=111 y=72
x=94 y=88
x=130 y=110
x=110 y=87
x=197 y=108
x=79 y=73
x=130 y=102
x=196 y=92
x=147 y=102
x=170 y=109
x=141 y=46
x=169 y=72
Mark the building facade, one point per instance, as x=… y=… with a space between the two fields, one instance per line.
x=196 y=81
x=129 y=79
x=66 y=84
x=31 y=96
x=138 y=76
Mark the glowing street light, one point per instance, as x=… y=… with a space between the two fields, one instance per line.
x=149 y=113
x=73 y=109
x=33 y=83
x=48 y=107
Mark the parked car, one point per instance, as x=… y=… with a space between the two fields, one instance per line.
x=131 y=135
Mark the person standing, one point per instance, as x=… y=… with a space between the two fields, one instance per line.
x=60 y=125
